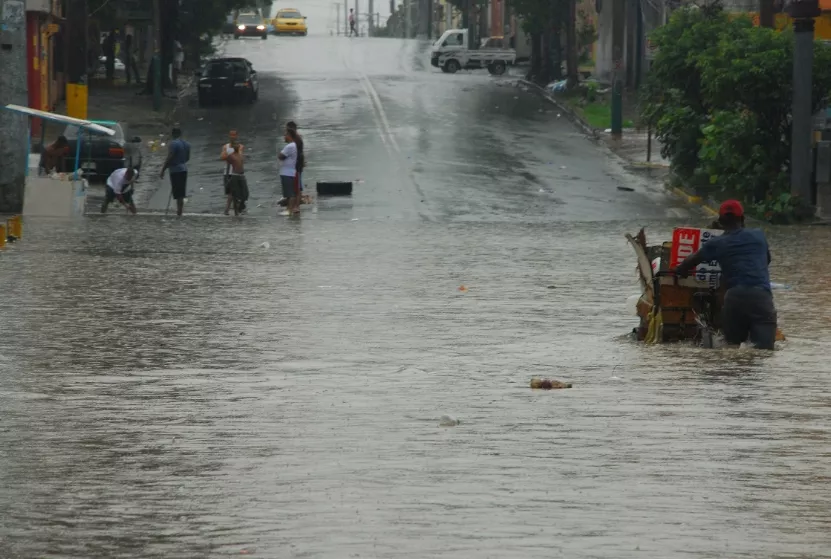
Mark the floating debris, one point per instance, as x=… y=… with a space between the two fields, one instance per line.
x=265 y=245
x=448 y=421
x=462 y=288
x=547 y=384
x=626 y=189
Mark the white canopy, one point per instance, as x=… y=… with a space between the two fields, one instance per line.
x=61 y=118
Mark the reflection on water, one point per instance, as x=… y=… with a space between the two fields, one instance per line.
x=171 y=389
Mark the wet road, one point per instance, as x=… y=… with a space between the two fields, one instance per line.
x=173 y=388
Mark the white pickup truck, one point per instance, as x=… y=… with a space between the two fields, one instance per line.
x=450 y=53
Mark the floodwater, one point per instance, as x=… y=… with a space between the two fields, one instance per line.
x=273 y=387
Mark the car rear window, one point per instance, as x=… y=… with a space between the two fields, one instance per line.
x=71 y=132
x=289 y=15
x=218 y=70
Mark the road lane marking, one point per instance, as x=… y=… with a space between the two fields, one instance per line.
x=375 y=99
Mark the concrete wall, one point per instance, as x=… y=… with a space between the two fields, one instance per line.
x=13 y=128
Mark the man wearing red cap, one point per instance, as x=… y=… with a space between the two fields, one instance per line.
x=744 y=257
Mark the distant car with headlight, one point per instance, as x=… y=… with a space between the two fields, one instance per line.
x=250 y=25
x=289 y=21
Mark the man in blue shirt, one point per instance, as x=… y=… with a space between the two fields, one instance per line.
x=744 y=257
x=178 y=155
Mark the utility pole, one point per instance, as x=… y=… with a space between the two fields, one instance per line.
x=13 y=86
x=406 y=19
x=357 y=18
x=345 y=17
x=618 y=37
x=766 y=17
x=803 y=13
x=157 y=56
x=337 y=16
x=371 y=14
x=77 y=92
x=468 y=23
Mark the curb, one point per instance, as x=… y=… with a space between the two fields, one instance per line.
x=693 y=200
x=593 y=134
x=570 y=113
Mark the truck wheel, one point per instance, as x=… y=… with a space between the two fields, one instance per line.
x=497 y=68
x=452 y=66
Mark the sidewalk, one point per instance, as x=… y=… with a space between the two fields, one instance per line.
x=633 y=147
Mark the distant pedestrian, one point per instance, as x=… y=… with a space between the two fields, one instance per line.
x=129 y=56
x=237 y=185
x=108 y=49
x=178 y=61
x=178 y=155
x=227 y=150
x=120 y=187
x=352 y=29
x=288 y=173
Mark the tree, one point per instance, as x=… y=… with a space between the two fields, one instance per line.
x=719 y=95
x=544 y=21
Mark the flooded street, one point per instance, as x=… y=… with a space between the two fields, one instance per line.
x=272 y=387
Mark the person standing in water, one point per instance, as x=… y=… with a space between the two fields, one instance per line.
x=178 y=155
x=237 y=185
x=301 y=158
x=227 y=150
x=288 y=157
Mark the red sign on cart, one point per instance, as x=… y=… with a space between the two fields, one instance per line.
x=686 y=241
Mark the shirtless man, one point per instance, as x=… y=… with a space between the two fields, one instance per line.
x=237 y=185
x=227 y=150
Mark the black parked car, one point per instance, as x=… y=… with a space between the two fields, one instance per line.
x=250 y=26
x=101 y=155
x=224 y=80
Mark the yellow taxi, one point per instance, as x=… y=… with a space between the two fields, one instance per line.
x=289 y=21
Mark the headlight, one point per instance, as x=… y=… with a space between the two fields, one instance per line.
x=261 y=27
x=241 y=27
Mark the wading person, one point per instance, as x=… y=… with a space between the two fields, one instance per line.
x=352 y=30
x=178 y=155
x=237 y=185
x=744 y=256
x=227 y=150
x=120 y=187
x=288 y=173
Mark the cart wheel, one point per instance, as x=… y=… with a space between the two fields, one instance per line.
x=497 y=68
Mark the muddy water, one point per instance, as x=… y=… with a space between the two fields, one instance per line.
x=173 y=389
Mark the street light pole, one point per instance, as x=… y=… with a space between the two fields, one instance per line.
x=803 y=13
x=618 y=33
x=406 y=19
x=337 y=18
x=157 y=56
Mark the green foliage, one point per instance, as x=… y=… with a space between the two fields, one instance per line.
x=719 y=95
